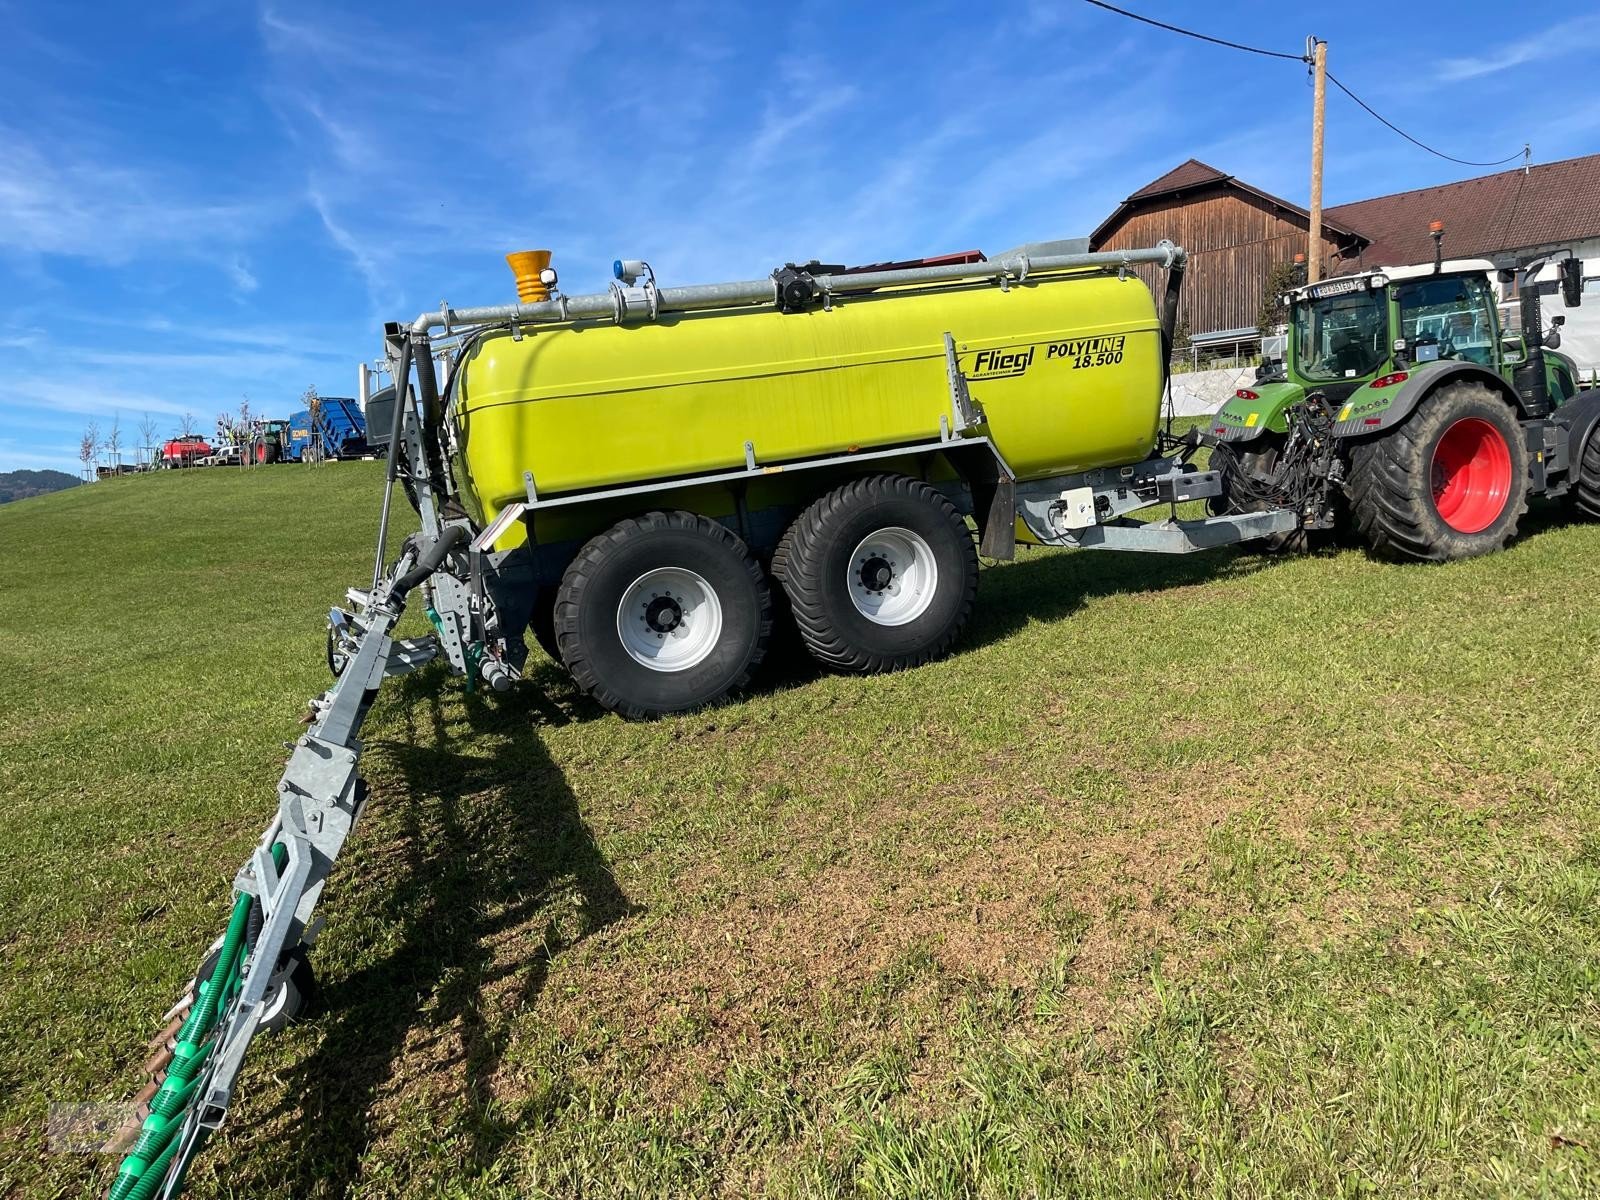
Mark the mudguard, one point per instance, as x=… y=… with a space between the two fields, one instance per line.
x=1256 y=410
x=1372 y=409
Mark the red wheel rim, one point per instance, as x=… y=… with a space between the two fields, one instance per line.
x=1471 y=475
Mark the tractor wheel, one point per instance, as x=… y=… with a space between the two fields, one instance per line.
x=542 y=622
x=662 y=613
x=1450 y=482
x=881 y=574
x=1255 y=463
x=1586 y=487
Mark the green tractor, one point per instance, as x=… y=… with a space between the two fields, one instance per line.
x=1432 y=425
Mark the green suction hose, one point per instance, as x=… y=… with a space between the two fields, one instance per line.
x=145 y=1166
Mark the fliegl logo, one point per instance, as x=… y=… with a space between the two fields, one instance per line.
x=1001 y=364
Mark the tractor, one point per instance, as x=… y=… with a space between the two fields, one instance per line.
x=1438 y=424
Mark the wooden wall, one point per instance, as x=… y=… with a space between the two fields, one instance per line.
x=1234 y=240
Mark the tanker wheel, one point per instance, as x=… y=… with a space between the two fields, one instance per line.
x=1257 y=463
x=662 y=613
x=880 y=574
x=1586 y=487
x=1450 y=482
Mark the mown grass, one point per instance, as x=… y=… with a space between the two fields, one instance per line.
x=1206 y=877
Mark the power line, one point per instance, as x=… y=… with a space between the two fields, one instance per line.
x=1465 y=162
x=1215 y=41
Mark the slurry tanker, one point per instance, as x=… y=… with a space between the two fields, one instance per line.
x=657 y=481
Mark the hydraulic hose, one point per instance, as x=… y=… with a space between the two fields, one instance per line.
x=430 y=558
x=402 y=386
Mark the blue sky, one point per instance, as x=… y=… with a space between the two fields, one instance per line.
x=205 y=201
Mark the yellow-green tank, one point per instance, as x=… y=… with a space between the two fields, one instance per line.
x=1066 y=367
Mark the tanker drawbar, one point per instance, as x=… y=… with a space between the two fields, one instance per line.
x=642 y=477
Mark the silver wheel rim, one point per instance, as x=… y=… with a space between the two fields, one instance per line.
x=669 y=619
x=892 y=576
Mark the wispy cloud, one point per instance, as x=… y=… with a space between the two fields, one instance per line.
x=1563 y=38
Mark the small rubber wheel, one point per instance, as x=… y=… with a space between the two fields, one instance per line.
x=1449 y=482
x=1586 y=487
x=297 y=994
x=880 y=573
x=662 y=613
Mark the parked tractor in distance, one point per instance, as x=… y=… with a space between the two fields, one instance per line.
x=268 y=439
x=1442 y=424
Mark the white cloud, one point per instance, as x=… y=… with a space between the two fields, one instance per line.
x=243 y=280
x=1566 y=37
x=77 y=200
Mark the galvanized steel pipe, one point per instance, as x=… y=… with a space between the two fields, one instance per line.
x=1016 y=267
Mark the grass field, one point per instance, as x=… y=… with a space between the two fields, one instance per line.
x=1207 y=877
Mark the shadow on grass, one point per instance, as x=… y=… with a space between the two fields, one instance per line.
x=491 y=838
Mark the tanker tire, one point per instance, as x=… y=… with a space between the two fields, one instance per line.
x=1586 y=487
x=813 y=564
x=598 y=582
x=1390 y=485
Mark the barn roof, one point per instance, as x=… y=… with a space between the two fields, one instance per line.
x=1509 y=210
x=1194 y=174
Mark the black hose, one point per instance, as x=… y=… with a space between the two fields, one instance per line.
x=429 y=560
x=432 y=412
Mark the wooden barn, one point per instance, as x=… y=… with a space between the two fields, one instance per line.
x=1235 y=234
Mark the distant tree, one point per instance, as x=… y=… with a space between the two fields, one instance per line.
x=114 y=442
x=1280 y=279
x=86 y=448
x=312 y=402
x=147 y=437
x=186 y=425
x=247 y=438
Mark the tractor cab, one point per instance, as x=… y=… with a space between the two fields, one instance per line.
x=1354 y=329
x=1359 y=341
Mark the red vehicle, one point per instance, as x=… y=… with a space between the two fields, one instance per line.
x=183 y=451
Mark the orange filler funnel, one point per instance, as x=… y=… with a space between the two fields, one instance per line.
x=528 y=266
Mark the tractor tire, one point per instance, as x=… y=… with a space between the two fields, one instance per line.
x=542 y=622
x=1586 y=486
x=880 y=573
x=267 y=452
x=1450 y=482
x=1258 y=461
x=662 y=613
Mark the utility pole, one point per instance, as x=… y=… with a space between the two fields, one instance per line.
x=1319 y=66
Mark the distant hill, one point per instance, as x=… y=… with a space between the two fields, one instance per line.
x=18 y=485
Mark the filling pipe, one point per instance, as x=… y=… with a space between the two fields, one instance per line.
x=763 y=291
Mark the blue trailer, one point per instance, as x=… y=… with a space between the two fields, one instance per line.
x=339 y=430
